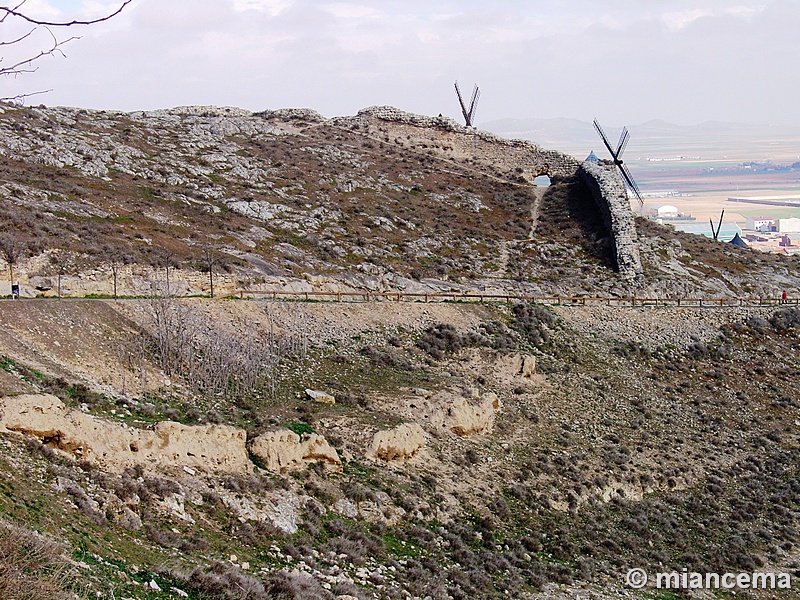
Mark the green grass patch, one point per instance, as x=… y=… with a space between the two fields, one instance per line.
x=299 y=428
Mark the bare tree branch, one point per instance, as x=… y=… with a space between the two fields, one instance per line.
x=15 y=13
x=19 y=39
x=55 y=48
x=26 y=65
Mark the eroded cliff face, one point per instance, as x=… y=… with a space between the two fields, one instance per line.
x=168 y=446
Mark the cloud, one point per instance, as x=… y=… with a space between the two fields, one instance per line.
x=271 y=7
x=633 y=61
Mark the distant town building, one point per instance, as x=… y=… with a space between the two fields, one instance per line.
x=790 y=239
x=666 y=211
x=760 y=224
x=790 y=225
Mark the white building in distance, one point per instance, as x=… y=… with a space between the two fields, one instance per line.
x=760 y=224
x=666 y=211
x=790 y=225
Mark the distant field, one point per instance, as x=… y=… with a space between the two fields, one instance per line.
x=709 y=172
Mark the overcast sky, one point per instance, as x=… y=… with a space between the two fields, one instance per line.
x=623 y=61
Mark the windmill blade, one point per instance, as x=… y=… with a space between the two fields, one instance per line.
x=631 y=183
x=463 y=106
x=714 y=233
x=605 y=139
x=624 y=138
x=473 y=105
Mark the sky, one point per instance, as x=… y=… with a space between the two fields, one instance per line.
x=622 y=61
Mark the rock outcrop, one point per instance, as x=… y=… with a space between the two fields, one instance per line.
x=503 y=153
x=283 y=450
x=115 y=447
x=516 y=365
x=401 y=443
x=320 y=396
x=470 y=416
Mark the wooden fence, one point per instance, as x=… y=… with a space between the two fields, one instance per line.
x=631 y=301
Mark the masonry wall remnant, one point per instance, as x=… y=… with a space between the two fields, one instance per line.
x=611 y=197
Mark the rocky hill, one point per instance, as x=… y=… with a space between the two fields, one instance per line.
x=287 y=199
x=160 y=447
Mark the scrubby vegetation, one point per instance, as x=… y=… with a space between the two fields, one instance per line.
x=609 y=437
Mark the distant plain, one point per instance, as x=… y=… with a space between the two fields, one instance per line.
x=694 y=168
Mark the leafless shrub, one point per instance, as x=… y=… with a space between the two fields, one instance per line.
x=289 y=586
x=259 y=534
x=162 y=487
x=32 y=566
x=785 y=318
x=288 y=329
x=162 y=537
x=131 y=350
x=534 y=322
x=211 y=358
x=82 y=500
x=223 y=582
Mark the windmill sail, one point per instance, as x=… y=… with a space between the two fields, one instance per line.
x=624 y=138
x=469 y=113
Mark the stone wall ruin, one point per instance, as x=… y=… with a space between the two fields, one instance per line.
x=452 y=140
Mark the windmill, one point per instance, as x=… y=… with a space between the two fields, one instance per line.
x=469 y=115
x=715 y=232
x=623 y=142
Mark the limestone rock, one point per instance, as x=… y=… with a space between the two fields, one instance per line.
x=284 y=450
x=517 y=365
x=123 y=513
x=318 y=396
x=528 y=366
x=401 y=443
x=175 y=503
x=280 y=509
x=345 y=507
x=42 y=284
x=115 y=447
x=468 y=418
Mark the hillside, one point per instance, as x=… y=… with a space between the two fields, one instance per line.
x=289 y=200
x=159 y=447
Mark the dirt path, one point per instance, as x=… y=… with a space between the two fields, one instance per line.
x=538 y=193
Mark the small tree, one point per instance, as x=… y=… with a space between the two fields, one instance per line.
x=211 y=259
x=165 y=259
x=64 y=262
x=116 y=257
x=13 y=249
